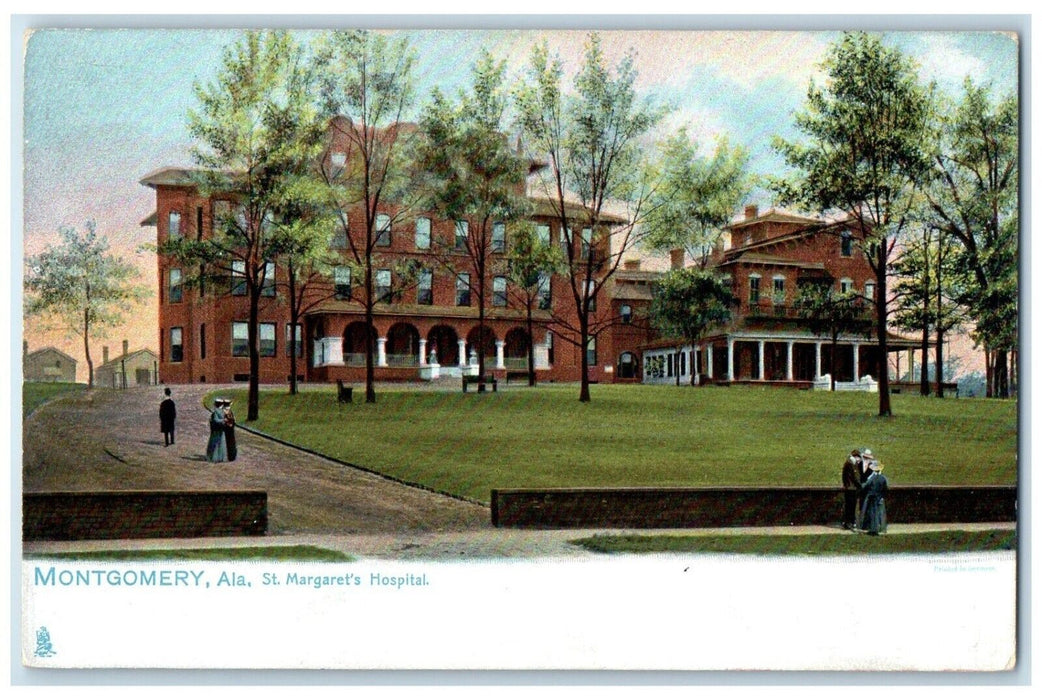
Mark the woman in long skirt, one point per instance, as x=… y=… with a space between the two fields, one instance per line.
x=873 y=512
x=217 y=447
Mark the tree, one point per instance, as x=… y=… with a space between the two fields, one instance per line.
x=831 y=314
x=592 y=142
x=258 y=133
x=367 y=87
x=530 y=268
x=866 y=156
x=474 y=178
x=685 y=303
x=930 y=283
x=81 y=286
x=696 y=198
x=974 y=198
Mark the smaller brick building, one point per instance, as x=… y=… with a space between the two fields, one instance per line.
x=47 y=365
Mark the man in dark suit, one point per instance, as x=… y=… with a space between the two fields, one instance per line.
x=853 y=472
x=167 y=418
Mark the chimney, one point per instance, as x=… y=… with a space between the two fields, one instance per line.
x=104 y=354
x=751 y=211
x=126 y=347
x=676 y=259
x=632 y=265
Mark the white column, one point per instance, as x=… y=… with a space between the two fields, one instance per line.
x=499 y=355
x=857 y=365
x=788 y=367
x=709 y=361
x=730 y=358
x=381 y=352
x=817 y=359
x=423 y=352
x=462 y=353
x=697 y=362
x=761 y=377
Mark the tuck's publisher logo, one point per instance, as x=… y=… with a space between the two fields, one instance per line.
x=44 y=648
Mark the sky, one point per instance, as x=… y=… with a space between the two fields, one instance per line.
x=104 y=107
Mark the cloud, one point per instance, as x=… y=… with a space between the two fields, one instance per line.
x=943 y=59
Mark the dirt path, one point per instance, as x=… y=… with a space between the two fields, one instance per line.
x=110 y=440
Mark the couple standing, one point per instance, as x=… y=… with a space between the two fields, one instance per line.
x=864 y=485
x=221 y=447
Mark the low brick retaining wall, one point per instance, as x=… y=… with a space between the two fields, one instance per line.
x=142 y=514
x=740 y=506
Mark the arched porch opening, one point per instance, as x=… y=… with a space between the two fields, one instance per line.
x=403 y=345
x=443 y=346
x=627 y=366
x=515 y=348
x=355 y=343
x=489 y=348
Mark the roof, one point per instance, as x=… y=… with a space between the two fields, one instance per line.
x=545 y=206
x=777 y=216
x=170 y=176
x=127 y=357
x=151 y=220
x=746 y=256
x=50 y=349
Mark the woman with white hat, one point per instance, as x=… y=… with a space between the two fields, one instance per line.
x=873 y=510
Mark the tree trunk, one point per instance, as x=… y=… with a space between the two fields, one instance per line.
x=832 y=363
x=884 y=376
x=989 y=373
x=531 y=345
x=1002 y=374
x=253 y=399
x=939 y=363
x=370 y=336
x=86 y=347
x=294 y=315
x=924 y=377
x=584 y=366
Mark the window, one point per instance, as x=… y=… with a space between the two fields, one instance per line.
x=294 y=339
x=544 y=291
x=267 y=339
x=240 y=339
x=202 y=341
x=268 y=286
x=778 y=292
x=845 y=285
x=383 y=286
x=423 y=233
x=462 y=229
x=173 y=227
x=499 y=237
x=176 y=286
x=383 y=230
x=339 y=241
x=239 y=277
x=587 y=241
x=591 y=294
x=499 y=291
x=425 y=288
x=870 y=291
x=754 y=289
x=198 y=223
x=177 y=351
x=846 y=244
x=463 y=289
x=626 y=313
x=591 y=352
x=542 y=232
x=338 y=159
x=342 y=282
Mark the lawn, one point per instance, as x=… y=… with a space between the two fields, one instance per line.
x=35 y=394
x=940 y=542
x=468 y=444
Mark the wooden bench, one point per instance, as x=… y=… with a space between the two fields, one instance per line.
x=489 y=379
x=343 y=393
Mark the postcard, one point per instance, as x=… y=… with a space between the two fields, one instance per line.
x=520 y=346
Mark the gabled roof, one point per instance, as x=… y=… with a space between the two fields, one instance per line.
x=50 y=349
x=747 y=256
x=127 y=357
x=775 y=215
x=170 y=176
x=545 y=206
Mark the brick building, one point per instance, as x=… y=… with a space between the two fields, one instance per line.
x=131 y=368
x=767 y=257
x=427 y=329
x=47 y=365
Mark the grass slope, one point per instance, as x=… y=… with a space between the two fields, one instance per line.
x=468 y=444
x=940 y=542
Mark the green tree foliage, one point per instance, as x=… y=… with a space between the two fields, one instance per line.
x=974 y=199
x=368 y=90
x=696 y=197
x=828 y=313
x=80 y=286
x=865 y=155
x=258 y=133
x=474 y=176
x=930 y=282
x=686 y=303
x=592 y=142
x=530 y=268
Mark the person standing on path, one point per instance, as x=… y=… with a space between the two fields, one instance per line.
x=873 y=513
x=229 y=431
x=167 y=418
x=217 y=447
x=853 y=474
